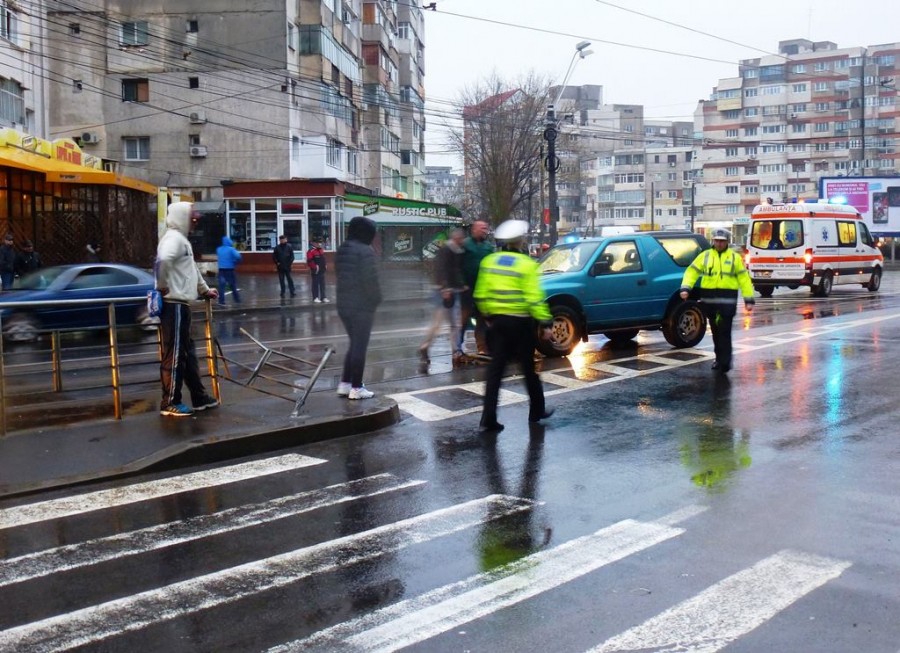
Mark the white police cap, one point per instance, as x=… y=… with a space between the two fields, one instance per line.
x=511 y=230
x=721 y=234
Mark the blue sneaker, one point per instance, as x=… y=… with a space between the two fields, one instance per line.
x=176 y=410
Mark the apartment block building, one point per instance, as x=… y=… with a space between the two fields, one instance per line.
x=23 y=89
x=785 y=121
x=202 y=94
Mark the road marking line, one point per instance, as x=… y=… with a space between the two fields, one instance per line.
x=91 y=552
x=563 y=381
x=119 y=496
x=94 y=624
x=409 y=402
x=731 y=608
x=415 y=620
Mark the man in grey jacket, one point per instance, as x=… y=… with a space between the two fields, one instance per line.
x=180 y=283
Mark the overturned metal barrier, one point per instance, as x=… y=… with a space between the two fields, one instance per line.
x=256 y=371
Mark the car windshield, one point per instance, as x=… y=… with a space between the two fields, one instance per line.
x=568 y=257
x=39 y=279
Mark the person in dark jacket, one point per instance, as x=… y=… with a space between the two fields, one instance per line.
x=315 y=260
x=92 y=252
x=7 y=262
x=448 y=284
x=358 y=295
x=228 y=258
x=27 y=260
x=283 y=255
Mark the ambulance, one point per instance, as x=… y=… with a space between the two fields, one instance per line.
x=813 y=244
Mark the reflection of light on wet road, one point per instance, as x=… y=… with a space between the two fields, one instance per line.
x=834 y=381
x=579 y=360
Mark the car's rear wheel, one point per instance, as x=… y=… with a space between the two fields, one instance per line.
x=685 y=325
x=621 y=337
x=825 y=285
x=765 y=291
x=875 y=282
x=565 y=332
x=21 y=328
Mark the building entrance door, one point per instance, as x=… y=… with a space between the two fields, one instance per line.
x=293 y=229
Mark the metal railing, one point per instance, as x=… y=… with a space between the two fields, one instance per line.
x=114 y=349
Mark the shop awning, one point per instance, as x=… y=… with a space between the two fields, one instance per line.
x=10 y=156
x=70 y=173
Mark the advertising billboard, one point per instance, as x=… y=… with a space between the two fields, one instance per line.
x=876 y=198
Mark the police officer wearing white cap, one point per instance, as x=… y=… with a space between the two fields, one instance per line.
x=508 y=293
x=722 y=274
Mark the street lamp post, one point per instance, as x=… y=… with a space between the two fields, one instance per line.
x=551 y=131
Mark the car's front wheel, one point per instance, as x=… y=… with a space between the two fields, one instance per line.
x=565 y=332
x=21 y=327
x=685 y=325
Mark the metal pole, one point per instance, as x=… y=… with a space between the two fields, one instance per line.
x=56 y=361
x=550 y=133
x=114 y=362
x=211 y=354
x=652 y=203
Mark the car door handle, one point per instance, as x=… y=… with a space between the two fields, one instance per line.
x=642 y=282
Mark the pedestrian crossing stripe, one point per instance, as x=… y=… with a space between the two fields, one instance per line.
x=30 y=513
x=416 y=403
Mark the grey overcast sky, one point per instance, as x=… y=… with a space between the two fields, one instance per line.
x=465 y=40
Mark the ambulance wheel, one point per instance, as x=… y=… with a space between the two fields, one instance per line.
x=825 y=285
x=766 y=291
x=875 y=282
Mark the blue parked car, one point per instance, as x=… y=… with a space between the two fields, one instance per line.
x=619 y=285
x=84 y=281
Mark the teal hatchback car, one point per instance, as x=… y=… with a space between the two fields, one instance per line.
x=620 y=285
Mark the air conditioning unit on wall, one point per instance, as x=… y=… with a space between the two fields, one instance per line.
x=198 y=118
x=90 y=138
x=198 y=151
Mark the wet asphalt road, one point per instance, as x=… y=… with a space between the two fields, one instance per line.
x=662 y=508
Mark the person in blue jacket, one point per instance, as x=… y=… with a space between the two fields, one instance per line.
x=228 y=258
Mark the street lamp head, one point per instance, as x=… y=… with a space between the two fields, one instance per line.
x=581 y=46
x=584 y=53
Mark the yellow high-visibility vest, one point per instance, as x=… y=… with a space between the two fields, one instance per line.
x=509 y=284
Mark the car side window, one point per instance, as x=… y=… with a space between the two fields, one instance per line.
x=623 y=257
x=683 y=250
x=101 y=277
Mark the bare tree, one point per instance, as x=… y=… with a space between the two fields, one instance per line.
x=499 y=142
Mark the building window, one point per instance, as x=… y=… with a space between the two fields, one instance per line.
x=798 y=68
x=799 y=88
x=194 y=139
x=193 y=82
x=135 y=33
x=823 y=106
x=295 y=148
x=77 y=86
x=731 y=133
x=9 y=22
x=750 y=112
x=731 y=209
x=333 y=153
x=731 y=171
x=74 y=29
x=751 y=131
x=192 y=27
x=820 y=86
x=822 y=66
x=135 y=90
x=12 y=101
x=732 y=190
x=798 y=128
x=137 y=148
x=353 y=162
x=291 y=36
x=731 y=151
x=823 y=126
x=750 y=151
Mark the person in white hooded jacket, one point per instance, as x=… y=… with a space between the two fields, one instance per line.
x=179 y=281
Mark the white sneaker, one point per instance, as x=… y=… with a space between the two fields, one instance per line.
x=361 y=393
x=317 y=301
x=343 y=389
x=326 y=301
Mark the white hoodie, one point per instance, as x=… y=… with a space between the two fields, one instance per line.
x=175 y=266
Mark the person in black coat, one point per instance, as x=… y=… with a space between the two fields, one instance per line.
x=283 y=255
x=7 y=262
x=27 y=260
x=358 y=295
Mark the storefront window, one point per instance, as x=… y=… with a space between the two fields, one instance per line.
x=319 y=220
x=239 y=228
x=292 y=206
x=266 y=231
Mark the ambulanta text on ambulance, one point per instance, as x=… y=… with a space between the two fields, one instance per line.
x=813 y=244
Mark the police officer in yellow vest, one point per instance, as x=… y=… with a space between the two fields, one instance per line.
x=508 y=293
x=722 y=274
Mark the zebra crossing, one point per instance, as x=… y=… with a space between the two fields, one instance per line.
x=747 y=599
x=441 y=403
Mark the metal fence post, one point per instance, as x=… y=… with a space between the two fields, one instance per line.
x=211 y=354
x=56 y=361
x=114 y=362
